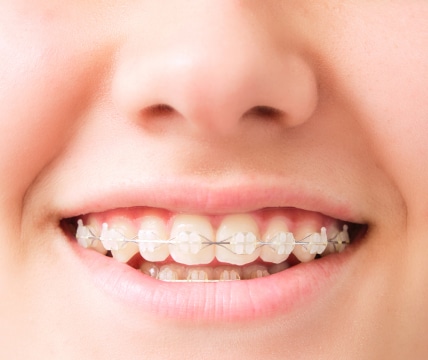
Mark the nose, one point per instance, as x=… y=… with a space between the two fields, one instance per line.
x=213 y=66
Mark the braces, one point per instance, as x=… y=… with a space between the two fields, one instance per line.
x=244 y=242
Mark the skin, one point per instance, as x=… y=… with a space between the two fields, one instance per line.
x=76 y=83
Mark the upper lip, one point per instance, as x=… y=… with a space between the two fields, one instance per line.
x=201 y=197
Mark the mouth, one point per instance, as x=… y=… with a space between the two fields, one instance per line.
x=213 y=267
x=213 y=253
x=194 y=248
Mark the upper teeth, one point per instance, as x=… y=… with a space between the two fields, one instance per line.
x=191 y=240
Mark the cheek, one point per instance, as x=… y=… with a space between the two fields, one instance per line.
x=386 y=77
x=395 y=116
x=46 y=79
x=36 y=114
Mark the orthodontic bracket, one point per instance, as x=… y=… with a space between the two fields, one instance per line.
x=242 y=242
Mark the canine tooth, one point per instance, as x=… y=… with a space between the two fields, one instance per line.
x=125 y=250
x=111 y=239
x=281 y=242
x=150 y=269
x=199 y=274
x=237 y=240
x=255 y=271
x=285 y=243
x=152 y=229
x=226 y=273
x=190 y=234
x=303 y=235
x=170 y=272
x=317 y=242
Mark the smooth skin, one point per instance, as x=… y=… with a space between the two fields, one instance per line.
x=80 y=85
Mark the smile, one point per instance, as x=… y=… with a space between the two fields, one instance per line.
x=221 y=255
x=194 y=248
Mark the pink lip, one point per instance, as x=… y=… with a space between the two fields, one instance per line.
x=200 y=198
x=223 y=301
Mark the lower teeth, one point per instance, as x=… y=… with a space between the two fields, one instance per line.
x=181 y=273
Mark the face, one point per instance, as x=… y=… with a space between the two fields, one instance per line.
x=181 y=179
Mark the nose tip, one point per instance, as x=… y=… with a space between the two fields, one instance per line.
x=216 y=79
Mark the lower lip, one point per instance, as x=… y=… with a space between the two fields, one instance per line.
x=281 y=293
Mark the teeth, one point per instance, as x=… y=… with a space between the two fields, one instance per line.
x=342 y=239
x=199 y=274
x=303 y=235
x=255 y=271
x=177 y=272
x=226 y=273
x=150 y=269
x=111 y=238
x=126 y=252
x=171 y=272
x=85 y=237
x=152 y=229
x=280 y=239
x=317 y=242
x=191 y=234
x=123 y=251
x=237 y=240
x=331 y=247
x=192 y=241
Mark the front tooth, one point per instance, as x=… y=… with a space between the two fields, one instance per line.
x=199 y=274
x=304 y=234
x=152 y=239
x=255 y=271
x=171 y=272
x=227 y=273
x=237 y=239
x=191 y=238
x=125 y=250
x=281 y=242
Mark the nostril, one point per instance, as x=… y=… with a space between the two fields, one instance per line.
x=264 y=112
x=158 y=110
